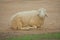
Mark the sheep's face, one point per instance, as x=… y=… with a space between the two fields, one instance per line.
x=42 y=12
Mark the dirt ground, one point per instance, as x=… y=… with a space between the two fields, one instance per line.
x=10 y=7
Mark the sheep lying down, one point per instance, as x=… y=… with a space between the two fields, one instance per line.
x=28 y=19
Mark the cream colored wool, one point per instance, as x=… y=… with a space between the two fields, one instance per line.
x=28 y=19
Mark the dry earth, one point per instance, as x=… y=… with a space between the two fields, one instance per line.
x=10 y=7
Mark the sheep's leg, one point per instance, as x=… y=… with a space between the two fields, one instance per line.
x=33 y=27
x=39 y=26
x=26 y=27
x=29 y=27
x=19 y=23
x=14 y=27
x=13 y=24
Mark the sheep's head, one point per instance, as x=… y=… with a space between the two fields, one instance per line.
x=42 y=12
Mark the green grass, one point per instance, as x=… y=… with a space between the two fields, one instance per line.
x=37 y=36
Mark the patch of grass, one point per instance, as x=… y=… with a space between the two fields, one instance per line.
x=37 y=36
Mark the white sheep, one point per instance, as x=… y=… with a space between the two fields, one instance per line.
x=28 y=19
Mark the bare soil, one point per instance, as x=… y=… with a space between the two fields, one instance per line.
x=10 y=7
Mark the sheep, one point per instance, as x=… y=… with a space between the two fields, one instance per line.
x=28 y=19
